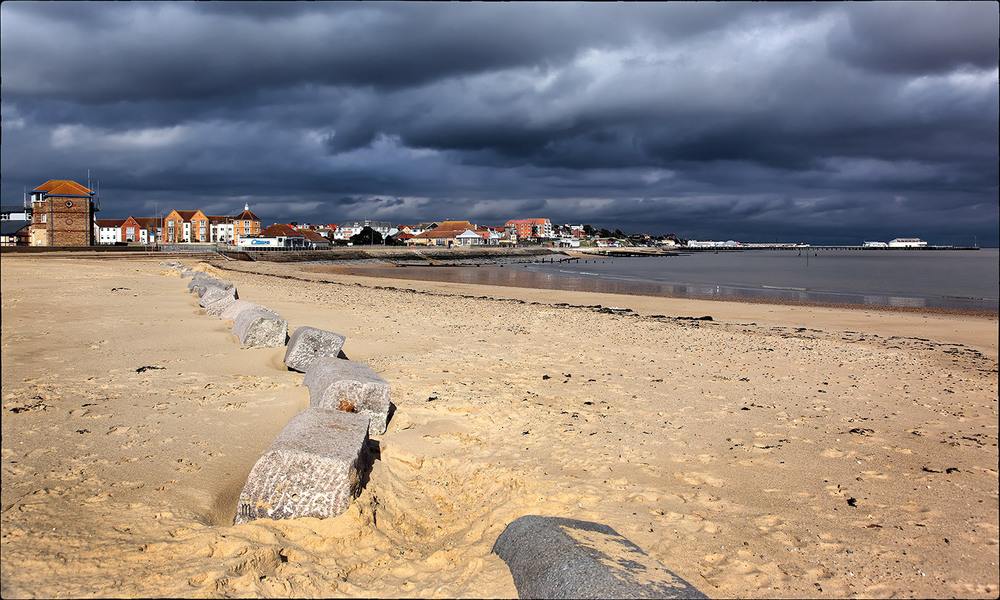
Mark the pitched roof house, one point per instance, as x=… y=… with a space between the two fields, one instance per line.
x=62 y=214
x=183 y=226
x=449 y=233
x=109 y=231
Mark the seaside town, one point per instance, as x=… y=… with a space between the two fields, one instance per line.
x=64 y=213
x=500 y=300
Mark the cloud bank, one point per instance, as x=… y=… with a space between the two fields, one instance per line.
x=824 y=123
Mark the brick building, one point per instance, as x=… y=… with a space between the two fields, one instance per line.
x=525 y=229
x=186 y=226
x=62 y=214
x=150 y=229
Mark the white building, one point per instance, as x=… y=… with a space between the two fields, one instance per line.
x=109 y=231
x=712 y=244
x=351 y=228
x=907 y=243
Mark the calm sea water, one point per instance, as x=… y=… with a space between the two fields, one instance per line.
x=922 y=279
x=965 y=280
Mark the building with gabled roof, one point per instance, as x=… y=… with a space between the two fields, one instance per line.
x=449 y=233
x=347 y=230
x=185 y=226
x=109 y=231
x=245 y=223
x=150 y=229
x=229 y=229
x=62 y=214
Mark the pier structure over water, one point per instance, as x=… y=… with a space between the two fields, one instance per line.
x=801 y=247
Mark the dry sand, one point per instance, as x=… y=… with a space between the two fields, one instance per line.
x=776 y=451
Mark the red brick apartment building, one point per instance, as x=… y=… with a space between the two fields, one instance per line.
x=529 y=228
x=62 y=214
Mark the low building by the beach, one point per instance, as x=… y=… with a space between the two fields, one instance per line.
x=150 y=229
x=349 y=229
x=285 y=237
x=450 y=233
x=62 y=214
x=15 y=225
x=118 y=231
x=109 y=231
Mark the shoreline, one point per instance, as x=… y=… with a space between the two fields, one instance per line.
x=977 y=331
x=595 y=285
x=773 y=452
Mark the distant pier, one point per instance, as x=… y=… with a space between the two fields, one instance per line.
x=809 y=247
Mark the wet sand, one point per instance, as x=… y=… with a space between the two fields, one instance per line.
x=775 y=451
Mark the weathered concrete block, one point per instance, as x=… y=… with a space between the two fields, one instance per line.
x=554 y=557
x=260 y=328
x=199 y=285
x=351 y=386
x=217 y=307
x=195 y=274
x=312 y=469
x=214 y=294
x=306 y=344
x=235 y=308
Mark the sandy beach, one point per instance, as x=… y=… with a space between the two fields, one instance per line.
x=775 y=451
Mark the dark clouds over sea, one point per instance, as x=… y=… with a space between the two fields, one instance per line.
x=816 y=122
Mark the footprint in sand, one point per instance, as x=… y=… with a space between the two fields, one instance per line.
x=700 y=479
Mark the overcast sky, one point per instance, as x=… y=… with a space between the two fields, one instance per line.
x=817 y=122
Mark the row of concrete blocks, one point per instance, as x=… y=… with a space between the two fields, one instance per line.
x=313 y=468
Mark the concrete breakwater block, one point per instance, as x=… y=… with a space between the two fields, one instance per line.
x=261 y=328
x=351 y=386
x=307 y=344
x=555 y=557
x=201 y=285
x=214 y=294
x=235 y=308
x=219 y=305
x=312 y=469
x=195 y=274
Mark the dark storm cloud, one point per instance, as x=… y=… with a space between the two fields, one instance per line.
x=902 y=38
x=727 y=120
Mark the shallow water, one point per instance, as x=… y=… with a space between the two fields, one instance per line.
x=937 y=280
x=962 y=280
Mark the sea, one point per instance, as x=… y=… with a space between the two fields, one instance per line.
x=948 y=280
